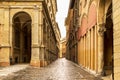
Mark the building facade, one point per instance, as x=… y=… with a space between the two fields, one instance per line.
x=58 y=37
x=28 y=32
x=116 y=38
x=71 y=31
x=62 y=48
x=97 y=36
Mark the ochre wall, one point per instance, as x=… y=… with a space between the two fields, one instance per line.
x=116 y=28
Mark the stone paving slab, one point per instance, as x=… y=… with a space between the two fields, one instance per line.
x=61 y=69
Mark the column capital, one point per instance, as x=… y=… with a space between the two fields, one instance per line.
x=101 y=29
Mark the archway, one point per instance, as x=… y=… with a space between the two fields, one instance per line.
x=108 y=43
x=21 y=37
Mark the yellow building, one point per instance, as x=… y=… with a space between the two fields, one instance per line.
x=97 y=24
x=58 y=37
x=27 y=32
x=71 y=31
x=95 y=36
x=116 y=38
x=62 y=48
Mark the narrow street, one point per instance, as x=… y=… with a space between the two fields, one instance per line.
x=61 y=69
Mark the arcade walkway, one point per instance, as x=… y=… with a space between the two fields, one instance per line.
x=61 y=69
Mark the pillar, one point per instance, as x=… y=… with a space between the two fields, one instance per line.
x=79 y=53
x=93 y=48
x=92 y=42
x=89 y=53
x=84 y=50
x=5 y=46
x=96 y=49
x=41 y=39
x=101 y=30
x=35 y=55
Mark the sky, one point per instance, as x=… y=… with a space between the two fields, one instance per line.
x=62 y=6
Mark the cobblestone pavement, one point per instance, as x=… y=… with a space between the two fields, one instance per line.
x=61 y=69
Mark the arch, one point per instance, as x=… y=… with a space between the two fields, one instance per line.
x=108 y=42
x=108 y=9
x=92 y=15
x=21 y=36
x=101 y=12
x=104 y=18
x=17 y=13
x=25 y=16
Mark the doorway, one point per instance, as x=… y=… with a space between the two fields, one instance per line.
x=21 y=38
x=108 y=43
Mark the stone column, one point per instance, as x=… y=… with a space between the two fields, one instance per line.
x=89 y=53
x=84 y=51
x=101 y=30
x=93 y=60
x=79 y=52
x=35 y=55
x=41 y=38
x=5 y=46
x=86 y=46
x=96 y=49
x=92 y=56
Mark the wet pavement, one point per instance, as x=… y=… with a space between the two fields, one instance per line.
x=61 y=69
x=5 y=71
